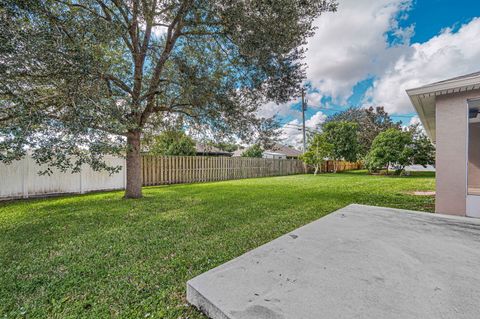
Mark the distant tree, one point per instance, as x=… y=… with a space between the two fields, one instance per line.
x=390 y=148
x=253 y=151
x=371 y=121
x=172 y=142
x=319 y=149
x=343 y=136
x=82 y=79
x=423 y=148
x=227 y=147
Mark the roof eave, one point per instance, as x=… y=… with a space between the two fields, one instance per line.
x=424 y=97
x=420 y=108
x=452 y=86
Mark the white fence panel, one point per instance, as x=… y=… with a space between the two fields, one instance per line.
x=12 y=179
x=94 y=181
x=21 y=179
x=55 y=183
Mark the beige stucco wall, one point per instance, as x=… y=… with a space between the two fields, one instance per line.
x=451 y=142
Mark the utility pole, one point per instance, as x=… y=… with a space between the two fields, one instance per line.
x=304 y=108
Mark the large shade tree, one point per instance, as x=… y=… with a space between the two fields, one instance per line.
x=392 y=147
x=371 y=122
x=399 y=148
x=343 y=136
x=81 y=79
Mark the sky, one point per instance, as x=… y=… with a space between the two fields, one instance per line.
x=370 y=51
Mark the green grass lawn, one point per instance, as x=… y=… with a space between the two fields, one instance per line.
x=99 y=255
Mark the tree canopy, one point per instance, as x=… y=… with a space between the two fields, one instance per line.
x=423 y=148
x=253 y=151
x=390 y=148
x=371 y=121
x=319 y=149
x=81 y=79
x=172 y=142
x=399 y=148
x=225 y=146
x=343 y=137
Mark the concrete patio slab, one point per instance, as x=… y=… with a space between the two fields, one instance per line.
x=358 y=262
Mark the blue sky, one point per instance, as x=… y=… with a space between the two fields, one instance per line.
x=370 y=51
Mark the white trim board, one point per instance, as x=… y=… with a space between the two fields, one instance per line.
x=473 y=206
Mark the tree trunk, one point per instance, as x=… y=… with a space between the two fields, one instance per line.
x=316 y=169
x=134 y=166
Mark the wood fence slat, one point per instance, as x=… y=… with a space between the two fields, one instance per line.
x=157 y=170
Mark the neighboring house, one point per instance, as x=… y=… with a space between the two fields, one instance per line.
x=288 y=152
x=209 y=150
x=238 y=153
x=278 y=151
x=274 y=155
x=449 y=112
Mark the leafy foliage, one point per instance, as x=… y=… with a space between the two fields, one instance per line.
x=399 y=148
x=88 y=78
x=253 y=151
x=423 y=148
x=343 y=136
x=371 y=121
x=390 y=148
x=318 y=150
x=227 y=147
x=172 y=143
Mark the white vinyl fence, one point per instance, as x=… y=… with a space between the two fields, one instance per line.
x=20 y=179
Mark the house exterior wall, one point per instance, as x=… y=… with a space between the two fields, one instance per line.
x=274 y=155
x=451 y=142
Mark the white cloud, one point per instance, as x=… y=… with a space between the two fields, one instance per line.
x=350 y=45
x=292 y=134
x=414 y=120
x=447 y=55
x=317 y=119
x=292 y=131
x=271 y=108
x=314 y=99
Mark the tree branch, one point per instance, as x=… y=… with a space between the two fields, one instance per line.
x=118 y=82
x=173 y=33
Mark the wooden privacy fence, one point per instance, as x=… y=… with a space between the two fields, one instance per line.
x=329 y=166
x=21 y=179
x=159 y=170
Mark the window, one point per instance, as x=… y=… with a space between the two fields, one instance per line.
x=474 y=147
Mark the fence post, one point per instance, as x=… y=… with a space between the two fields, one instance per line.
x=25 y=177
x=125 y=173
x=81 y=180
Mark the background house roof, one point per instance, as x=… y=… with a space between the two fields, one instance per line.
x=288 y=151
x=206 y=149
x=277 y=148
x=424 y=97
